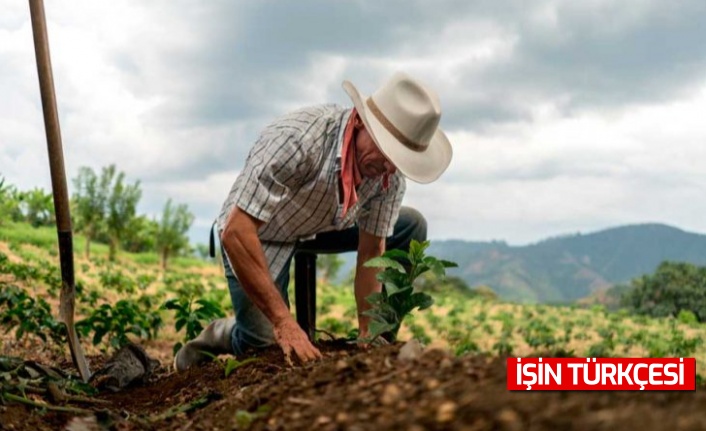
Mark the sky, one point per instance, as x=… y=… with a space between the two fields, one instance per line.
x=564 y=116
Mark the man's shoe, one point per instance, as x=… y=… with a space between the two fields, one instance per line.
x=215 y=339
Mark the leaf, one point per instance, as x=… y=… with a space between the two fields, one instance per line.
x=374 y=314
x=176 y=348
x=376 y=328
x=374 y=298
x=233 y=364
x=421 y=300
x=385 y=262
x=421 y=269
x=392 y=277
x=396 y=291
x=448 y=264
x=172 y=304
x=438 y=269
x=98 y=335
x=397 y=255
x=416 y=250
x=208 y=309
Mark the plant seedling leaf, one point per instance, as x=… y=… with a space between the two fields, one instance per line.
x=385 y=262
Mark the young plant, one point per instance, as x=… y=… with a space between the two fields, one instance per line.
x=192 y=318
x=398 y=298
x=229 y=364
x=18 y=309
x=538 y=334
x=244 y=418
x=117 y=321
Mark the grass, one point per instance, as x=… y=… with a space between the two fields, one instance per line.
x=18 y=234
x=23 y=233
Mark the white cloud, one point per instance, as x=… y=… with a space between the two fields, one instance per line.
x=526 y=181
x=565 y=116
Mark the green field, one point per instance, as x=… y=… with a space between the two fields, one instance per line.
x=124 y=300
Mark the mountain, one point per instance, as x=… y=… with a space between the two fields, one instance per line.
x=568 y=267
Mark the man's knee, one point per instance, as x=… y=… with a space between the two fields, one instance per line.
x=252 y=334
x=411 y=225
x=415 y=223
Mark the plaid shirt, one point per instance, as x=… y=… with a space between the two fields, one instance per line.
x=292 y=181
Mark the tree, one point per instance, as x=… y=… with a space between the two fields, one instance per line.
x=140 y=235
x=90 y=201
x=9 y=202
x=672 y=288
x=121 y=207
x=202 y=251
x=171 y=235
x=328 y=265
x=38 y=207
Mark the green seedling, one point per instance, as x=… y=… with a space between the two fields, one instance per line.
x=398 y=298
x=192 y=318
x=230 y=364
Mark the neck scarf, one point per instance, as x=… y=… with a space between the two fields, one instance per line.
x=350 y=175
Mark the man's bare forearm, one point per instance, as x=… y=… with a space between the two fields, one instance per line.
x=244 y=250
x=369 y=246
x=365 y=284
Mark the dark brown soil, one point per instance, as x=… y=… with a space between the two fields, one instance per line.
x=366 y=390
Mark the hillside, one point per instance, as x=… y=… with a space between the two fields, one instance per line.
x=568 y=267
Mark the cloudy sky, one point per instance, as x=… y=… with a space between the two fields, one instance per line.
x=565 y=116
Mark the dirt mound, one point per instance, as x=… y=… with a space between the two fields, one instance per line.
x=367 y=390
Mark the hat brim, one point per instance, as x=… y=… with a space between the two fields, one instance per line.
x=420 y=166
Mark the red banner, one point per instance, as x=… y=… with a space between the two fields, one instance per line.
x=601 y=374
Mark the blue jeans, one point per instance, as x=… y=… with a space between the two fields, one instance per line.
x=253 y=330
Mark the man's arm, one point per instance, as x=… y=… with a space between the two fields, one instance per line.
x=244 y=250
x=369 y=246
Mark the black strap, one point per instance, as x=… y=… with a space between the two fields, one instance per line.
x=212 y=241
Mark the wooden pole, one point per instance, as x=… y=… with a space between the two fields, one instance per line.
x=58 y=181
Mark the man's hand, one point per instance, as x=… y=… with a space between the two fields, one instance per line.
x=291 y=338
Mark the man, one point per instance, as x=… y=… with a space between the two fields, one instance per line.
x=321 y=179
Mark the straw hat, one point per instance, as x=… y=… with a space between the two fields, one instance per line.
x=403 y=117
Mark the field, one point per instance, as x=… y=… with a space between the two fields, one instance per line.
x=456 y=382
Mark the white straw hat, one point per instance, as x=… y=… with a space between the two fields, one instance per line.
x=403 y=117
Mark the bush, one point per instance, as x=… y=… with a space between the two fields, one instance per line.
x=28 y=315
x=687 y=317
x=673 y=288
x=121 y=319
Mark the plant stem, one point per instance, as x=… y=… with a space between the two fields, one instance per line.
x=198 y=403
x=29 y=402
x=323 y=331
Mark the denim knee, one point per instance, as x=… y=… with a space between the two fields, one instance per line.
x=417 y=223
x=411 y=225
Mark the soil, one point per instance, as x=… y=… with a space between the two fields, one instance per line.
x=355 y=389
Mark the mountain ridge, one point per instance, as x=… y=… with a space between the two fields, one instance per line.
x=568 y=267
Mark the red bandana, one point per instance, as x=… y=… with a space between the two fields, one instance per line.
x=350 y=175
